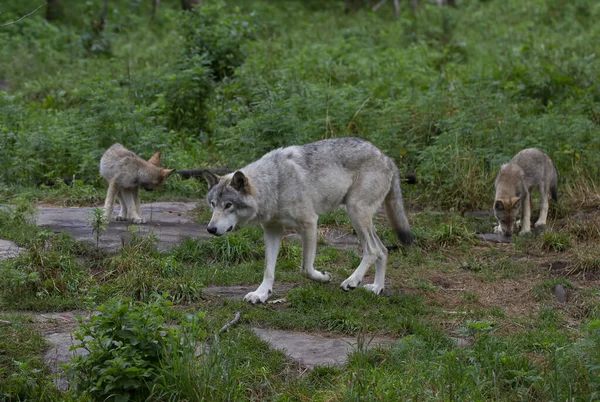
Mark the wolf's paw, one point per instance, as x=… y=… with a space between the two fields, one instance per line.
x=318 y=276
x=498 y=230
x=138 y=220
x=374 y=288
x=257 y=297
x=350 y=284
x=121 y=218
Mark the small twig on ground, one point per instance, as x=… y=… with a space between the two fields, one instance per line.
x=4 y=322
x=231 y=323
x=22 y=18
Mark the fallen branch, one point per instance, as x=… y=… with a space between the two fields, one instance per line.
x=4 y=322
x=231 y=323
x=197 y=173
x=22 y=18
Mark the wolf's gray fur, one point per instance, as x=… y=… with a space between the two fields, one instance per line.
x=529 y=168
x=291 y=187
x=125 y=173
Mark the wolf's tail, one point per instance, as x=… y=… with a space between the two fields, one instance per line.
x=554 y=185
x=394 y=207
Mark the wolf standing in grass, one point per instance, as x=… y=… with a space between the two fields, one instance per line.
x=291 y=187
x=529 y=168
x=125 y=173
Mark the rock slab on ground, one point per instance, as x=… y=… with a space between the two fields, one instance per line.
x=8 y=249
x=311 y=350
x=238 y=292
x=171 y=221
x=58 y=329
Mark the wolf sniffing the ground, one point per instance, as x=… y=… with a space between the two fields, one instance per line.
x=529 y=168
x=291 y=187
x=125 y=173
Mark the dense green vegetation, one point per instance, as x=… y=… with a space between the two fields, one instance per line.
x=443 y=91
x=450 y=93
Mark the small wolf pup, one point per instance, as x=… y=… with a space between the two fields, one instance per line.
x=529 y=168
x=291 y=187
x=125 y=173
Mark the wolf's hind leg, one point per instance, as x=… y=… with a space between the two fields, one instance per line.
x=123 y=216
x=362 y=221
x=544 y=205
x=380 y=264
x=273 y=235
x=308 y=233
x=110 y=200
x=526 y=208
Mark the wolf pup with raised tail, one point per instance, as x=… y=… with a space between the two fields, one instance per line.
x=125 y=173
x=529 y=168
x=291 y=187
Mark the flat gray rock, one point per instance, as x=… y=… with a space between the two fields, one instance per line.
x=238 y=292
x=494 y=238
x=171 y=221
x=60 y=352
x=8 y=249
x=58 y=329
x=311 y=350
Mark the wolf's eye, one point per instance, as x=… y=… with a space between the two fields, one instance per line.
x=228 y=205
x=212 y=204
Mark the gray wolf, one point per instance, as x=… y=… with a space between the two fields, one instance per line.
x=126 y=173
x=291 y=187
x=529 y=168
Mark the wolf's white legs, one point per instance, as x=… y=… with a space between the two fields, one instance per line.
x=110 y=200
x=273 y=235
x=380 y=264
x=129 y=198
x=544 y=206
x=123 y=216
x=308 y=233
x=362 y=222
x=138 y=206
x=526 y=205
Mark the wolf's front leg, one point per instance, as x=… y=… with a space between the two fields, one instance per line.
x=308 y=233
x=273 y=234
x=123 y=213
x=130 y=196
x=526 y=216
x=110 y=200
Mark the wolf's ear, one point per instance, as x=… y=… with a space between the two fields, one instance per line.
x=239 y=182
x=498 y=205
x=167 y=172
x=211 y=178
x=155 y=160
x=514 y=200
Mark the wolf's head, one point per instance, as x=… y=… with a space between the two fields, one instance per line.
x=154 y=177
x=506 y=212
x=229 y=198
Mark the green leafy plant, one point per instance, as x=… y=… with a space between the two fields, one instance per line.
x=126 y=344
